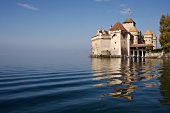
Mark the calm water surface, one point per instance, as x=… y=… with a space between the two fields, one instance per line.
x=78 y=84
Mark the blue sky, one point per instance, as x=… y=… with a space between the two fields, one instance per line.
x=68 y=25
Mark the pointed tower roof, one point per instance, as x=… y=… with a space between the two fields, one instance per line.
x=129 y=20
x=133 y=29
x=117 y=26
x=148 y=32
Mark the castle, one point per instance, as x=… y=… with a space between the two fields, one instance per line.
x=122 y=40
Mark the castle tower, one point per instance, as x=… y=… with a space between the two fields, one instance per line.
x=100 y=43
x=154 y=41
x=148 y=36
x=128 y=23
x=135 y=33
x=118 y=40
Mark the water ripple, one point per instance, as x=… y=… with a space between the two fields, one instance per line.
x=105 y=86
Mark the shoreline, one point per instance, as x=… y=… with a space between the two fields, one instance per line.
x=119 y=56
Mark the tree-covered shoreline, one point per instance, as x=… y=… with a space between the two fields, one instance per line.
x=165 y=32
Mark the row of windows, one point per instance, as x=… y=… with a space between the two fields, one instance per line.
x=146 y=40
x=149 y=40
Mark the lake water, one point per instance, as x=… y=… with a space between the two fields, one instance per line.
x=78 y=84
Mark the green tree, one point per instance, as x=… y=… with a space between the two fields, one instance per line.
x=165 y=32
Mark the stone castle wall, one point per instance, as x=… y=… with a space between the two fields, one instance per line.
x=157 y=55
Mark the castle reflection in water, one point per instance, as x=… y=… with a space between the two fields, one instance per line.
x=125 y=76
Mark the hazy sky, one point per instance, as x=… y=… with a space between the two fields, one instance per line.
x=68 y=25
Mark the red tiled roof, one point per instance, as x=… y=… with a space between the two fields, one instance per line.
x=117 y=26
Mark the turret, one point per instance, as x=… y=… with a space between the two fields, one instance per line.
x=135 y=33
x=128 y=23
x=148 y=36
x=118 y=40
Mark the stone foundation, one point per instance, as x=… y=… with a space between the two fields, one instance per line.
x=157 y=55
x=106 y=56
x=154 y=55
x=147 y=55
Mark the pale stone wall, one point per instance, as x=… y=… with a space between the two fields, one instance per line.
x=128 y=26
x=124 y=48
x=154 y=55
x=128 y=44
x=105 y=44
x=148 y=39
x=157 y=55
x=101 y=45
x=116 y=43
x=135 y=39
x=154 y=44
x=96 y=46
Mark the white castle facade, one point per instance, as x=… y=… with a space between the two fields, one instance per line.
x=122 y=40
